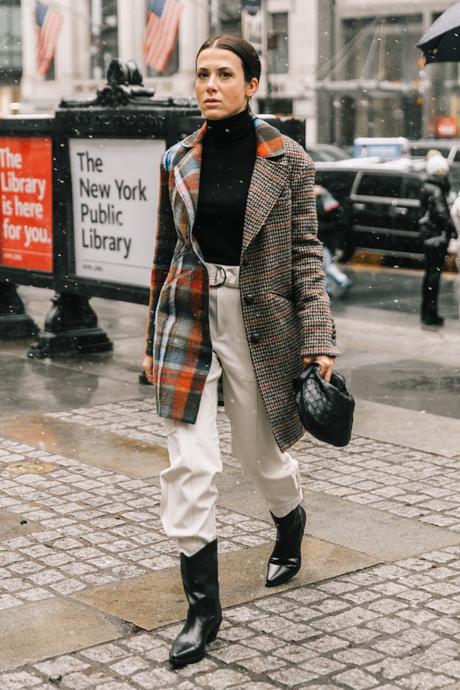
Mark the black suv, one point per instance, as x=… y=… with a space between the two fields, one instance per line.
x=382 y=205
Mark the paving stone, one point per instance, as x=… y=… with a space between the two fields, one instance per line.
x=291 y=676
x=19 y=680
x=356 y=679
x=61 y=665
x=424 y=681
x=234 y=652
x=104 y=653
x=321 y=666
x=221 y=679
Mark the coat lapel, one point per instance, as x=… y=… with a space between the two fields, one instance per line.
x=267 y=182
x=187 y=183
x=268 y=179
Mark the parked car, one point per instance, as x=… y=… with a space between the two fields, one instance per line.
x=382 y=204
x=326 y=152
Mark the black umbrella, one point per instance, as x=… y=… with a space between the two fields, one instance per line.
x=441 y=43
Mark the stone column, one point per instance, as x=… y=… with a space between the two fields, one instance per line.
x=193 y=31
x=303 y=55
x=131 y=31
x=65 y=49
x=29 y=72
x=81 y=44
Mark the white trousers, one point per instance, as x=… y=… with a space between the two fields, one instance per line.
x=188 y=485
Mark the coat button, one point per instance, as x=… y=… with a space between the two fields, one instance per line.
x=255 y=338
x=249 y=299
x=244 y=262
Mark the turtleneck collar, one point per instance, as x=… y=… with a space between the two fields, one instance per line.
x=229 y=129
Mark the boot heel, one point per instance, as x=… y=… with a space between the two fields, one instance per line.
x=213 y=634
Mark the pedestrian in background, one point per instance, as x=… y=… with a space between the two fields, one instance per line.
x=331 y=227
x=454 y=245
x=237 y=290
x=437 y=229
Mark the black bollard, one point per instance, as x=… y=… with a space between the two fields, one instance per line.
x=70 y=329
x=14 y=321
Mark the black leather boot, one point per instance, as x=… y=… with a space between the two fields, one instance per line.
x=286 y=557
x=431 y=318
x=201 y=587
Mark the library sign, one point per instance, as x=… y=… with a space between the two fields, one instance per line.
x=115 y=186
x=26 y=232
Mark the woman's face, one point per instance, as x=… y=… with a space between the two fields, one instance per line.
x=220 y=87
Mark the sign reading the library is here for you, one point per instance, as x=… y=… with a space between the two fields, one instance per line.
x=115 y=184
x=26 y=223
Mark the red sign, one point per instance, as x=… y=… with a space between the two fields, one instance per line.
x=26 y=222
x=446 y=127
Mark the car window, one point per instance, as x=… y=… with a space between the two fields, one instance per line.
x=372 y=184
x=314 y=155
x=411 y=187
x=457 y=155
x=420 y=151
x=338 y=182
x=333 y=152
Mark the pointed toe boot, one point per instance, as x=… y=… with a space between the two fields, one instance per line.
x=201 y=587
x=286 y=557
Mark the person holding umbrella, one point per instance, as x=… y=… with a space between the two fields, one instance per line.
x=440 y=43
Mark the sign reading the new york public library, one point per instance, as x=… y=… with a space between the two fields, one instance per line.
x=26 y=231
x=115 y=184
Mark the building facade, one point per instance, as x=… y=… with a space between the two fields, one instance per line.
x=349 y=67
x=94 y=31
x=372 y=80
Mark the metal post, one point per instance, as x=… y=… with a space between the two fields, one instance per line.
x=14 y=321
x=70 y=329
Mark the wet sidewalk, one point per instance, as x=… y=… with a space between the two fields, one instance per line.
x=89 y=588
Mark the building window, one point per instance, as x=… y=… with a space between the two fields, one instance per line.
x=10 y=42
x=104 y=36
x=383 y=48
x=278 y=43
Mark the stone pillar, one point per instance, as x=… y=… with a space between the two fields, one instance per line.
x=131 y=31
x=82 y=41
x=193 y=31
x=29 y=77
x=326 y=50
x=303 y=56
x=65 y=49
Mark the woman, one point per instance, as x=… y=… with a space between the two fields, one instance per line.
x=437 y=229
x=238 y=291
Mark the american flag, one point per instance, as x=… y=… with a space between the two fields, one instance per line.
x=160 y=36
x=48 y=22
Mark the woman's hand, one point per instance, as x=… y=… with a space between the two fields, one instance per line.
x=326 y=364
x=147 y=365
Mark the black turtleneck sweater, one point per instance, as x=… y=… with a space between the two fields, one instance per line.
x=229 y=154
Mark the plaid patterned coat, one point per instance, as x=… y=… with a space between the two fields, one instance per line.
x=286 y=310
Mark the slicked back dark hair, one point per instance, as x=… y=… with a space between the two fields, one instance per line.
x=242 y=48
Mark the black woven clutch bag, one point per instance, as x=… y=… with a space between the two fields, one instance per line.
x=325 y=409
